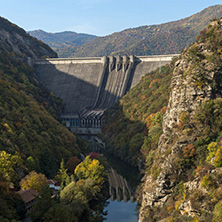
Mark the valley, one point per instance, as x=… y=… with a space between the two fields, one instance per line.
x=139 y=127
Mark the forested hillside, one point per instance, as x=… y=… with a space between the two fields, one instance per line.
x=17 y=42
x=36 y=146
x=28 y=119
x=167 y=38
x=138 y=117
x=29 y=113
x=181 y=142
x=185 y=179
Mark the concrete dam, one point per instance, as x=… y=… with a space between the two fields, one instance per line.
x=89 y=86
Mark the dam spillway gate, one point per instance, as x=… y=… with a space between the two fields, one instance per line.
x=89 y=86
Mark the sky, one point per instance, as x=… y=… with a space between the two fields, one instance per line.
x=98 y=17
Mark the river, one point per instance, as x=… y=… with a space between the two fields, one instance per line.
x=123 y=180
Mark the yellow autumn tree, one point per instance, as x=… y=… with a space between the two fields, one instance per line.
x=34 y=180
x=8 y=163
x=91 y=169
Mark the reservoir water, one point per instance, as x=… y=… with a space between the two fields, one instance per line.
x=123 y=180
x=122 y=211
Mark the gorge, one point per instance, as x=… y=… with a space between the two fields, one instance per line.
x=162 y=114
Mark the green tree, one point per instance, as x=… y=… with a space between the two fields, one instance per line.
x=30 y=163
x=12 y=207
x=83 y=191
x=212 y=149
x=63 y=176
x=60 y=212
x=43 y=203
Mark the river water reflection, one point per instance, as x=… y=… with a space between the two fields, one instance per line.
x=122 y=211
x=123 y=180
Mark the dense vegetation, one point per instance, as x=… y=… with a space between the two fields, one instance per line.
x=138 y=117
x=28 y=124
x=82 y=196
x=196 y=175
x=201 y=159
x=82 y=199
x=31 y=136
x=32 y=139
x=165 y=38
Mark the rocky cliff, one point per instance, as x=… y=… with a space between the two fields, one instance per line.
x=16 y=41
x=184 y=183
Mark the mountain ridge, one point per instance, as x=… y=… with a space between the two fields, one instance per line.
x=14 y=39
x=60 y=40
x=147 y=40
x=172 y=120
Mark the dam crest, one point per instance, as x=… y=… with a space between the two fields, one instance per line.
x=88 y=86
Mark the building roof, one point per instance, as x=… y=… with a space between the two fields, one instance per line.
x=51 y=182
x=93 y=155
x=28 y=195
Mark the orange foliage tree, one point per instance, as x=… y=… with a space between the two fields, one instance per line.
x=189 y=151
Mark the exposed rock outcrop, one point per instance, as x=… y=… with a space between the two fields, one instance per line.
x=194 y=82
x=16 y=41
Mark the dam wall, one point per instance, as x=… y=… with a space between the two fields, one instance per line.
x=88 y=86
x=76 y=82
x=146 y=64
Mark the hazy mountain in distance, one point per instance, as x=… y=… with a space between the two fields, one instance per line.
x=165 y=38
x=62 y=40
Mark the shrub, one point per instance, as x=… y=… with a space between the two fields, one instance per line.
x=189 y=151
x=217 y=194
x=217 y=212
x=218 y=158
x=208 y=182
x=212 y=148
x=196 y=197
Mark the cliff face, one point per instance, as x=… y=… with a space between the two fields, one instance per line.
x=15 y=40
x=180 y=157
